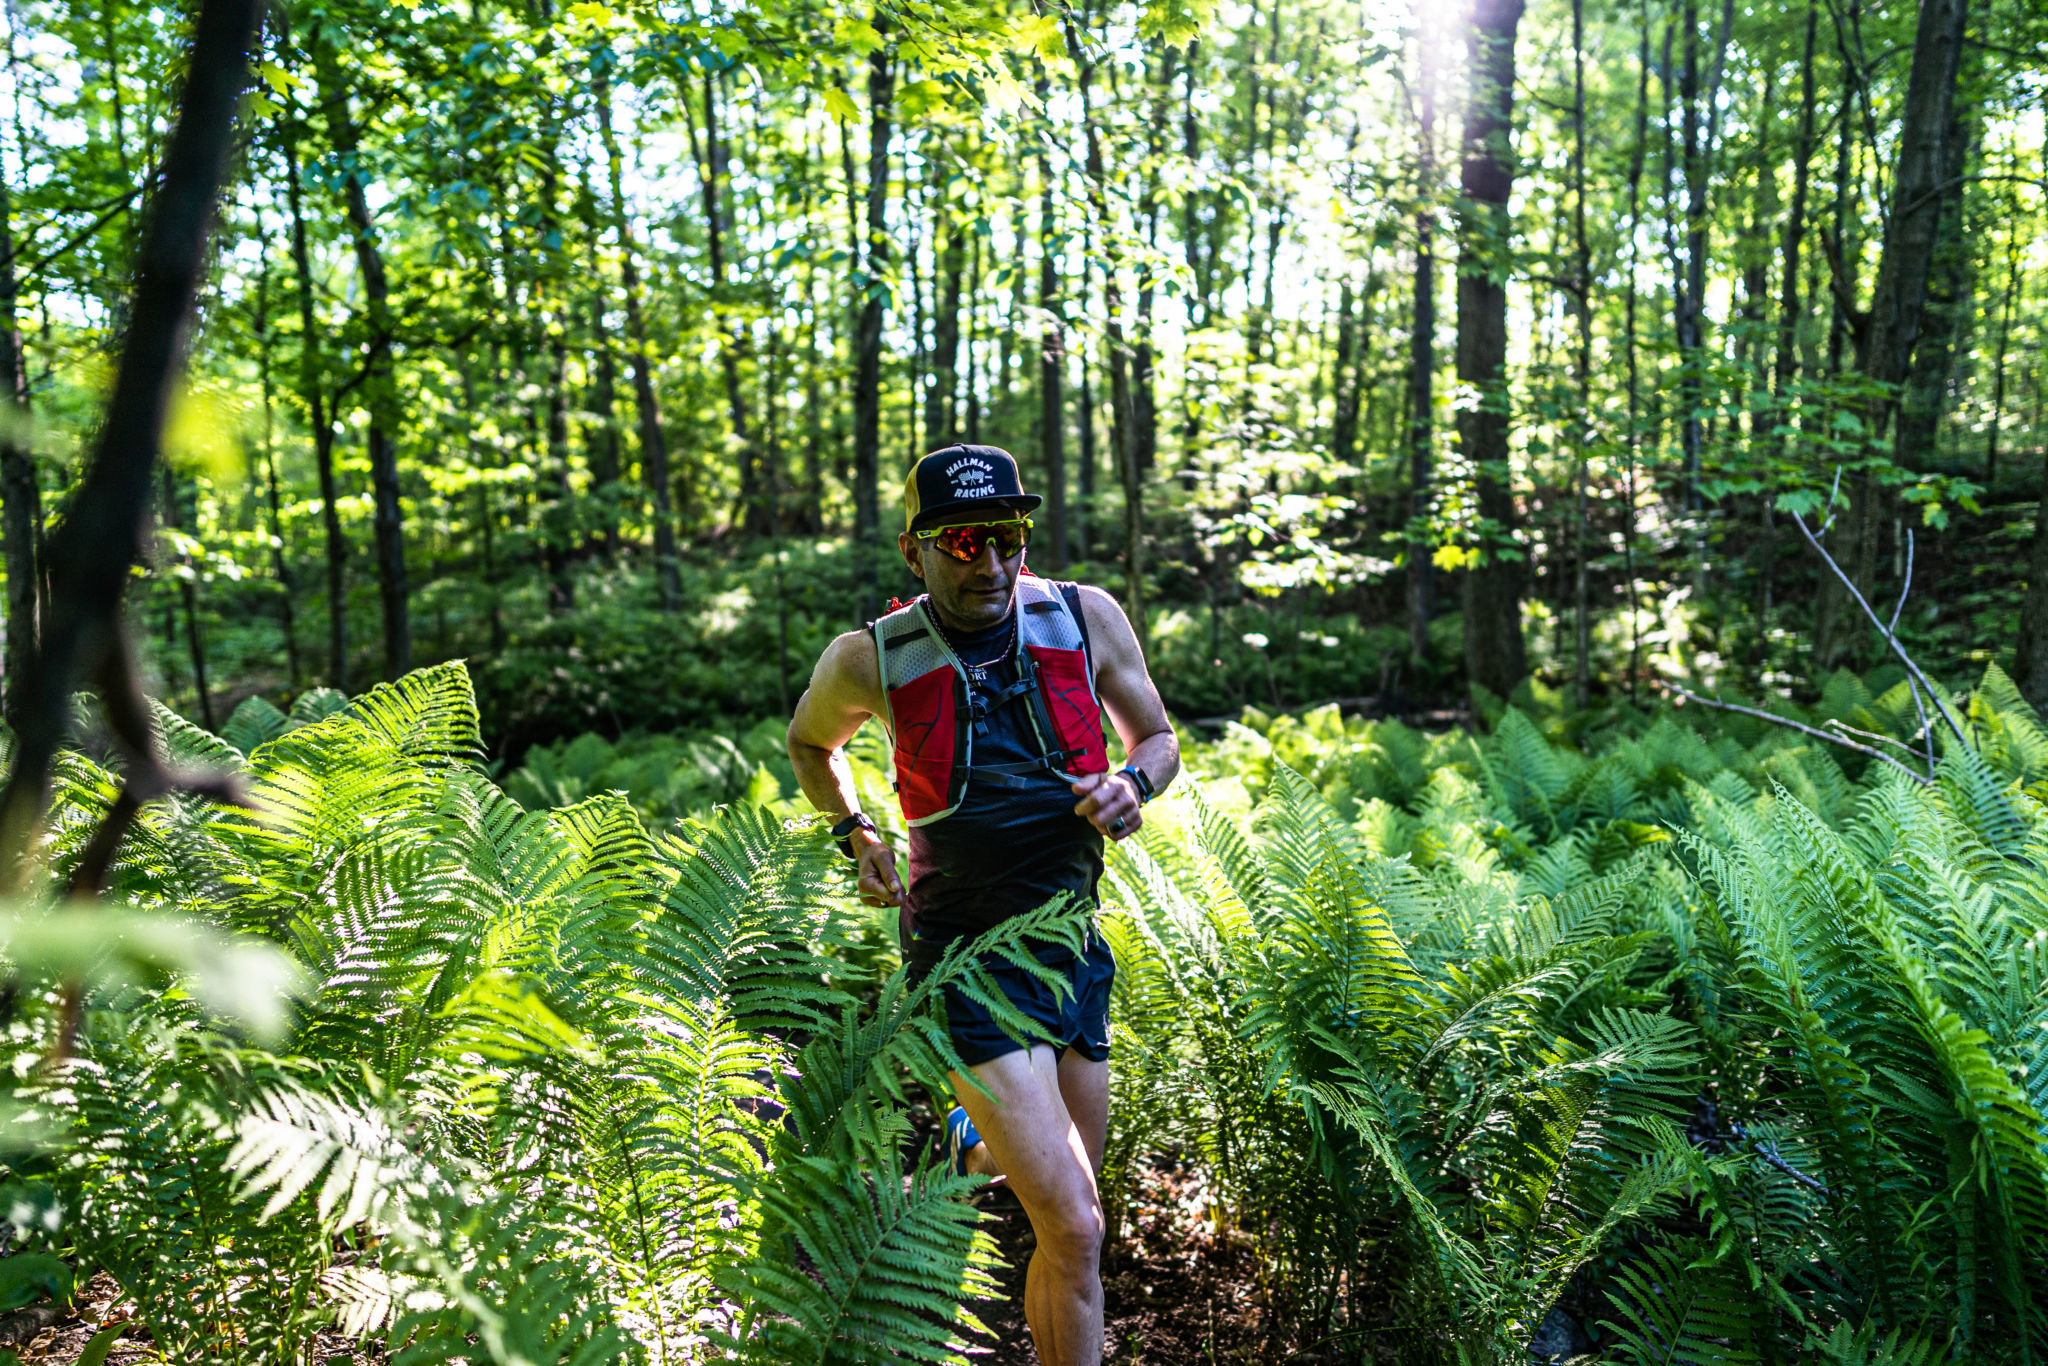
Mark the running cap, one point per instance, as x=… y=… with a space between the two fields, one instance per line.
x=963 y=478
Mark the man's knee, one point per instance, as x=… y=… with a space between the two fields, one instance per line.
x=1070 y=1228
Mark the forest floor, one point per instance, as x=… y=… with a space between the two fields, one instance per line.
x=1174 y=1292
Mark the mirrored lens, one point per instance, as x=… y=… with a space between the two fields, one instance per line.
x=965 y=543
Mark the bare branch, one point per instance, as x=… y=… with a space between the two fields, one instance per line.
x=1912 y=668
x=1777 y=720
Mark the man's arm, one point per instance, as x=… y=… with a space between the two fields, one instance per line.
x=845 y=691
x=1134 y=708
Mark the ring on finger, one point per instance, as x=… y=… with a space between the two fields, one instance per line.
x=1118 y=826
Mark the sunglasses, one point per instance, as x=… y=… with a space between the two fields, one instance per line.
x=965 y=543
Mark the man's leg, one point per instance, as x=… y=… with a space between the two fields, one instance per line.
x=1084 y=1090
x=1033 y=1139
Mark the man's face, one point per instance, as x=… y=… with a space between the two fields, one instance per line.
x=973 y=594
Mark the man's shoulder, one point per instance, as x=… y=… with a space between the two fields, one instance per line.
x=849 y=658
x=1099 y=603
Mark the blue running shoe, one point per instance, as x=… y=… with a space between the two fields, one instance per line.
x=961 y=1139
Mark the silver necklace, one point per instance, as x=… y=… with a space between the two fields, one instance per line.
x=977 y=673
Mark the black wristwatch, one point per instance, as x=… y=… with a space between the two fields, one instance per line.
x=843 y=832
x=1144 y=784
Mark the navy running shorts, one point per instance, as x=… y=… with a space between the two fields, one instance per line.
x=1080 y=1021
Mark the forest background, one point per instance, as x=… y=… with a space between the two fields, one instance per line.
x=1367 y=350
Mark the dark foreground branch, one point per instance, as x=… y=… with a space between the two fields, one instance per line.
x=100 y=540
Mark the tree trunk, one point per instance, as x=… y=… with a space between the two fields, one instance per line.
x=1898 y=303
x=1123 y=427
x=732 y=343
x=603 y=452
x=318 y=419
x=278 y=565
x=20 y=494
x=1582 y=282
x=1052 y=364
x=1637 y=155
x=1422 y=360
x=1789 y=308
x=380 y=387
x=2030 y=668
x=174 y=515
x=941 y=408
x=1344 y=399
x=653 y=443
x=97 y=545
x=1950 y=307
x=2012 y=289
x=1495 y=657
x=867 y=338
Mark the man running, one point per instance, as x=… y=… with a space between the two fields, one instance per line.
x=993 y=685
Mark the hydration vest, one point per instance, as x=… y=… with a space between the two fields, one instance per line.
x=933 y=715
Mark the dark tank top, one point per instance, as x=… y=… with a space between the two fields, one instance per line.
x=1006 y=850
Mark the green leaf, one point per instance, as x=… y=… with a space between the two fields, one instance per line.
x=30 y=1276
x=95 y=1353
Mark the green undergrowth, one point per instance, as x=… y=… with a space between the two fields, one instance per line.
x=1713 y=1040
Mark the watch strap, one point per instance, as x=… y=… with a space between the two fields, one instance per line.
x=843 y=831
x=1138 y=779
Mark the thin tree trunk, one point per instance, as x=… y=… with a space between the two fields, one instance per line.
x=603 y=451
x=1123 y=426
x=654 y=472
x=1789 y=307
x=2012 y=289
x=1344 y=401
x=278 y=565
x=380 y=389
x=1495 y=656
x=188 y=596
x=318 y=419
x=867 y=378
x=1144 y=397
x=1582 y=281
x=732 y=343
x=1422 y=356
x=20 y=493
x=1052 y=360
x=2030 y=667
x=941 y=406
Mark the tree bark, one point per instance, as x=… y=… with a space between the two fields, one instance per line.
x=732 y=343
x=380 y=386
x=1786 y=368
x=654 y=472
x=941 y=407
x=20 y=493
x=1421 y=432
x=1052 y=360
x=603 y=452
x=1344 y=396
x=1123 y=427
x=100 y=539
x=1582 y=282
x=1898 y=302
x=2030 y=668
x=1495 y=656
x=867 y=337
x=174 y=511
x=279 y=567
x=1950 y=307
x=318 y=419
